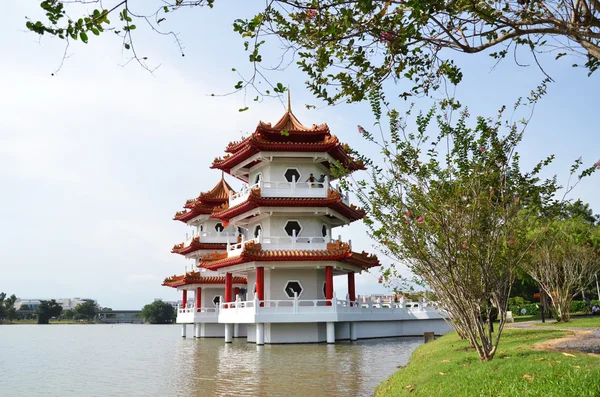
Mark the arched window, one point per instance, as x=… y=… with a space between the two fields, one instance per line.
x=258 y=178
x=257 y=231
x=324 y=230
x=219 y=227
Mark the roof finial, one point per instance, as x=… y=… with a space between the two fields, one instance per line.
x=289 y=108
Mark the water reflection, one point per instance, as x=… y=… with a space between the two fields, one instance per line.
x=144 y=360
x=243 y=369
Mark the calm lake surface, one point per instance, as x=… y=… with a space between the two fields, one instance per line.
x=153 y=360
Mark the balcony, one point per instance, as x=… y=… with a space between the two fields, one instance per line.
x=190 y=315
x=319 y=310
x=284 y=244
x=212 y=237
x=285 y=189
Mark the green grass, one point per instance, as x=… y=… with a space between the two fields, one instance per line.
x=447 y=367
x=527 y=317
x=576 y=322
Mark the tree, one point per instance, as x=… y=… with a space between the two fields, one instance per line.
x=85 y=311
x=353 y=46
x=47 y=310
x=10 y=312
x=159 y=312
x=68 y=314
x=451 y=208
x=564 y=260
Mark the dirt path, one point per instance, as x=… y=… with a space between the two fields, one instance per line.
x=585 y=340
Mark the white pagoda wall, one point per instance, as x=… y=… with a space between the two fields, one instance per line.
x=311 y=280
x=274 y=171
x=273 y=226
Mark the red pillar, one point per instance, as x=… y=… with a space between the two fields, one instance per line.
x=328 y=283
x=228 y=282
x=260 y=283
x=198 y=298
x=351 y=288
x=184 y=299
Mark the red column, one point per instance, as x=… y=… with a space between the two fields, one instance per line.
x=198 y=298
x=184 y=299
x=328 y=283
x=351 y=287
x=228 y=280
x=260 y=283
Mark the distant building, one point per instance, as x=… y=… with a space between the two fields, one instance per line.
x=66 y=303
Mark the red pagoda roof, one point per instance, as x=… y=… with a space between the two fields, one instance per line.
x=197 y=278
x=196 y=245
x=287 y=135
x=336 y=251
x=205 y=203
x=333 y=201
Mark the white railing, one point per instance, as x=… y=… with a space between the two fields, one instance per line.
x=317 y=189
x=312 y=306
x=211 y=237
x=291 y=243
x=237 y=248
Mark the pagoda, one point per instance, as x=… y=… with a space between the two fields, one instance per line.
x=209 y=235
x=275 y=238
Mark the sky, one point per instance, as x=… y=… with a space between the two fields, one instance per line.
x=95 y=160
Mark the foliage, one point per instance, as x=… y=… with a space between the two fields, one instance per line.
x=450 y=207
x=564 y=259
x=85 y=311
x=7 y=307
x=445 y=367
x=517 y=301
x=159 y=312
x=68 y=314
x=530 y=309
x=348 y=48
x=47 y=310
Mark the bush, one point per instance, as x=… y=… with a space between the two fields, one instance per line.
x=530 y=309
x=579 y=306
x=517 y=301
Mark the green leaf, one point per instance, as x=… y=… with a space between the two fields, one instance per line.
x=83 y=37
x=243 y=109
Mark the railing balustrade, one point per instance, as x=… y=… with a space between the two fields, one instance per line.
x=317 y=189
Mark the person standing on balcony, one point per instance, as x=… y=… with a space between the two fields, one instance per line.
x=321 y=180
x=311 y=180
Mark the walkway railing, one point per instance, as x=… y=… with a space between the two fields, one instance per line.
x=283 y=243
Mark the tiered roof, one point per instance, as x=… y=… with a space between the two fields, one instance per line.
x=336 y=251
x=287 y=135
x=206 y=202
x=333 y=201
x=197 y=278
x=196 y=245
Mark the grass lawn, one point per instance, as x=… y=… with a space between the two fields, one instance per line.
x=447 y=367
x=576 y=322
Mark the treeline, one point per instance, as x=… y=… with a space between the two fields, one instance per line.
x=46 y=310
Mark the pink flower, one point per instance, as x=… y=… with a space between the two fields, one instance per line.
x=310 y=14
x=421 y=219
x=361 y=130
x=511 y=242
x=597 y=165
x=482 y=149
x=386 y=37
x=464 y=246
x=408 y=213
x=380 y=279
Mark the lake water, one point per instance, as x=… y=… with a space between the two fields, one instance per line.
x=153 y=360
